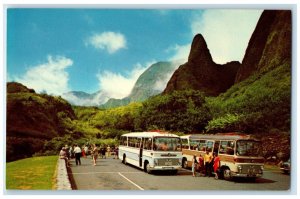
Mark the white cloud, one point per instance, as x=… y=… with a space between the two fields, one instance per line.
x=181 y=53
x=161 y=83
x=227 y=32
x=95 y=99
x=50 y=76
x=117 y=85
x=110 y=41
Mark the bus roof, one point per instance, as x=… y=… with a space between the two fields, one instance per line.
x=220 y=136
x=150 y=134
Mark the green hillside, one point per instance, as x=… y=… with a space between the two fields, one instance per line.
x=33 y=118
x=257 y=105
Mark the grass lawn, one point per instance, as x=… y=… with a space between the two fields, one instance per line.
x=35 y=173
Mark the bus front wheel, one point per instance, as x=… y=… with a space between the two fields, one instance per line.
x=147 y=167
x=226 y=174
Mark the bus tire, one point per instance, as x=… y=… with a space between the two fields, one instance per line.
x=124 y=159
x=184 y=163
x=226 y=174
x=147 y=167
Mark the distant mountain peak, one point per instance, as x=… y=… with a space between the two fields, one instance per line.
x=199 y=49
x=152 y=82
x=202 y=73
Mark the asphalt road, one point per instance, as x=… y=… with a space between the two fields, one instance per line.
x=111 y=174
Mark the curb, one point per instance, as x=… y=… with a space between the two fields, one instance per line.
x=62 y=179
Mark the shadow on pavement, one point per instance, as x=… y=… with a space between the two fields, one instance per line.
x=250 y=180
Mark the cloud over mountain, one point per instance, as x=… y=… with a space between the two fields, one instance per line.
x=50 y=77
x=117 y=85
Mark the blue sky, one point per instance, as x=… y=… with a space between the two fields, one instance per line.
x=61 y=50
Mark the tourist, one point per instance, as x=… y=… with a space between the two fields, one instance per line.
x=216 y=165
x=194 y=165
x=207 y=163
x=77 y=152
x=63 y=155
x=95 y=154
x=108 y=151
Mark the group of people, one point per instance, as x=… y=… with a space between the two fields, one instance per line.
x=206 y=164
x=103 y=152
x=76 y=152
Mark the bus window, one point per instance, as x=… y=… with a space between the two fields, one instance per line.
x=137 y=142
x=209 y=146
x=166 y=144
x=202 y=145
x=130 y=141
x=216 y=147
x=227 y=147
x=248 y=148
x=123 y=141
x=223 y=147
x=230 y=148
x=185 y=143
x=140 y=143
x=194 y=145
x=148 y=144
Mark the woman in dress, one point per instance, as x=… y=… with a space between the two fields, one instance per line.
x=216 y=165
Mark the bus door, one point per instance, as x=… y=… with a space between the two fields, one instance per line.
x=216 y=147
x=141 y=140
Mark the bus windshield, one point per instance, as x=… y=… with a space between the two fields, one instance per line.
x=248 y=148
x=166 y=144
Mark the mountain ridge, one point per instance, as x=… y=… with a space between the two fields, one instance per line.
x=200 y=72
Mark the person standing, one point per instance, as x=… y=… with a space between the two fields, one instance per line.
x=77 y=152
x=86 y=150
x=117 y=152
x=194 y=166
x=83 y=152
x=200 y=164
x=108 y=151
x=216 y=165
x=103 y=151
x=207 y=163
x=71 y=152
x=95 y=153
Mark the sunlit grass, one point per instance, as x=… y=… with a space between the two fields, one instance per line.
x=31 y=174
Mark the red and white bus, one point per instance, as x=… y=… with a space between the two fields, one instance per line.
x=151 y=151
x=240 y=154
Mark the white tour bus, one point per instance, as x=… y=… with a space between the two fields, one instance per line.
x=151 y=151
x=240 y=154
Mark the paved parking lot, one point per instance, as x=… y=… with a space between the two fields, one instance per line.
x=111 y=174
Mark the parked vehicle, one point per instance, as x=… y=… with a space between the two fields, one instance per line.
x=151 y=151
x=240 y=154
x=285 y=167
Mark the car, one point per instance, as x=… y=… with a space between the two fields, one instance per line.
x=285 y=167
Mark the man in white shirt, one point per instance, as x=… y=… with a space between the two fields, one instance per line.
x=77 y=152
